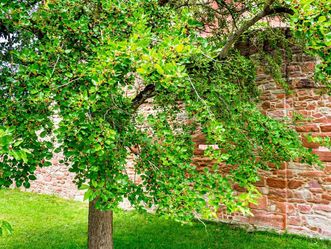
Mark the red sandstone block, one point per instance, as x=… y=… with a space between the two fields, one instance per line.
x=323 y=119
x=326 y=208
x=296 y=200
x=276 y=114
x=290 y=193
x=318 y=201
x=260 y=183
x=307 y=128
x=311 y=106
x=308 y=67
x=312 y=173
x=302 y=194
x=316 y=190
x=304 y=208
x=262 y=203
x=281 y=206
x=267 y=219
x=326 y=127
x=294 y=220
x=278 y=192
x=280 y=105
x=280 y=96
x=314 y=184
x=276 y=183
x=326 y=197
x=291 y=209
x=293 y=184
x=274 y=197
x=324 y=156
x=302 y=104
x=326 y=121
x=327 y=179
x=283 y=173
x=308 y=97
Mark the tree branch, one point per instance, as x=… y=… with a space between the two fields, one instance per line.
x=279 y=10
x=227 y=7
x=148 y=92
x=163 y=2
x=265 y=12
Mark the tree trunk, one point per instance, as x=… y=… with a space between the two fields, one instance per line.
x=100 y=228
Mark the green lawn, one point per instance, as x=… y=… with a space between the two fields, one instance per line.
x=42 y=222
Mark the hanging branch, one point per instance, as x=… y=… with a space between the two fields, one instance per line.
x=266 y=11
x=148 y=92
x=163 y=2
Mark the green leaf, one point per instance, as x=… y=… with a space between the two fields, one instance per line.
x=159 y=69
x=180 y=48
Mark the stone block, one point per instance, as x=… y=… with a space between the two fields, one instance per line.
x=318 y=221
x=307 y=128
x=276 y=183
x=293 y=184
x=304 y=208
x=315 y=173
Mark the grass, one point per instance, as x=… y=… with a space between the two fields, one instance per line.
x=42 y=222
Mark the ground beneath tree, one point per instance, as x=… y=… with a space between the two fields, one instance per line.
x=42 y=222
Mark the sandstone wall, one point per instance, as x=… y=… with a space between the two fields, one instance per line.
x=56 y=180
x=295 y=198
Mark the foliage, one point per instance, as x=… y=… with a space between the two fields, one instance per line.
x=91 y=65
x=312 y=23
x=11 y=148
x=39 y=225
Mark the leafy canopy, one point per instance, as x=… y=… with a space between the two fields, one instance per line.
x=74 y=79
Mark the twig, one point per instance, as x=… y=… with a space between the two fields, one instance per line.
x=199 y=97
x=54 y=67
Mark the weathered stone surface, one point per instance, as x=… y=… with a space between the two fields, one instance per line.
x=292 y=184
x=304 y=208
x=325 y=156
x=276 y=183
x=325 y=127
x=307 y=128
x=319 y=222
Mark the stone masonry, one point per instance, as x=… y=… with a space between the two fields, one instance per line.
x=295 y=198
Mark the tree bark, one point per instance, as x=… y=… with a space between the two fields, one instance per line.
x=100 y=228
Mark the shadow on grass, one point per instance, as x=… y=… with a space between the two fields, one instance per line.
x=55 y=228
x=134 y=231
x=150 y=232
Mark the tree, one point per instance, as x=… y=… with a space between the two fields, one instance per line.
x=78 y=60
